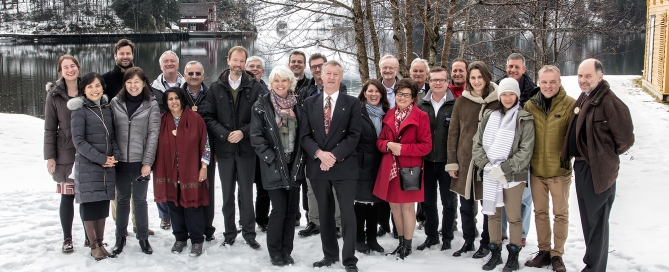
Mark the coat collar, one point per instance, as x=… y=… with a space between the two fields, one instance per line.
x=492 y=96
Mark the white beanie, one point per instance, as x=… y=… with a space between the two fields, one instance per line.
x=508 y=85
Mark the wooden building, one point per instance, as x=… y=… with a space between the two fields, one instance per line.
x=199 y=16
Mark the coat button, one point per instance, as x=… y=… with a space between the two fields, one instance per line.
x=344 y=131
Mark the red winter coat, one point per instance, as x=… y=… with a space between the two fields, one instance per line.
x=416 y=142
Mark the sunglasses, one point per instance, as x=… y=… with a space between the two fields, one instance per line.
x=140 y=178
x=195 y=73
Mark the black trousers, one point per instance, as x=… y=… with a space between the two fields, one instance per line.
x=281 y=228
x=595 y=210
x=262 y=198
x=468 y=215
x=187 y=222
x=385 y=216
x=235 y=170
x=210 y=210
x=345 y=190
x=436 y=176
x=366 y=215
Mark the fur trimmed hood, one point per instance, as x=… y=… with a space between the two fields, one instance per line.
x=78 y=102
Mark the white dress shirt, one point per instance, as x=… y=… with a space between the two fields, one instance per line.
x=333 y=102
x=436 y=105
x=234 y=84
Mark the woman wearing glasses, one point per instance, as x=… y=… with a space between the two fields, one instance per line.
x=180 y=170
x=405 y=138
x=137 y=121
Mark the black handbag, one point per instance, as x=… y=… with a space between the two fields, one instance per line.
x=410 y=178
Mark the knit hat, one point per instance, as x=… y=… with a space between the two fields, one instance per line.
x=508 y=85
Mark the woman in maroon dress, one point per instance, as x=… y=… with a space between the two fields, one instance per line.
x=405 y=138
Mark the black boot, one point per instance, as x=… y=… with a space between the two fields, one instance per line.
x=118 y=247
x=399 y=247
x=373 y=244
x=466 y=247
x=482 y=252
x=495 y=259
x=406 y=249
x=512 y=261
x=145 y=246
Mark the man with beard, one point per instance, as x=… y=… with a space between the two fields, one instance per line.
x=515 y=68
x=600 y=129
x=169 y=64
x=330 y=134
x=195 y=95
x=227 y=112
x=418 y=73
x=297 y=62
x=309 y=204
x=389 y=67
x=256 y=66
x=458 y=77
x=114 y=83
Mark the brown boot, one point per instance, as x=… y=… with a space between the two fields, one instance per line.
x=90 y=227
x=558 y=265
x=542 y=259
x=100 y=230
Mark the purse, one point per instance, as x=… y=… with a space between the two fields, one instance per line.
x=410 y=178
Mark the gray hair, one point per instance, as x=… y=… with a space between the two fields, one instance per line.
x=599 y=67
x=193 y=62
x=389 y=57
x=160 y=60
x=255 y=58
x=515 y=56
x=549 y=68
x=333 y=63
x=424 y=62
x=283 y=72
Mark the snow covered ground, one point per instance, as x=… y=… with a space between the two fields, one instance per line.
x=31 y=236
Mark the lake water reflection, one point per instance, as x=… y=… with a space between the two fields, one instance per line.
x=26 y=68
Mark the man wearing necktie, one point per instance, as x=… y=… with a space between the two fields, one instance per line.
x=329 y=135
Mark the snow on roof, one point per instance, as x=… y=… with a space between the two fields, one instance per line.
x=195 y=9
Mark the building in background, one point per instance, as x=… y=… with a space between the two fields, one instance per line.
x=199 y=16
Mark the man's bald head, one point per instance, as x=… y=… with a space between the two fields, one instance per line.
x=590 y=74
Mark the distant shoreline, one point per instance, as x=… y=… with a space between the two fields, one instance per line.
x=77 y=38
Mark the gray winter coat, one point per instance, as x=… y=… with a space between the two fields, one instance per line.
x=93 y=137
x=137 y=135
x=57 y=133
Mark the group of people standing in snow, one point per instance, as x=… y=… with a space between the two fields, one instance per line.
x=507 y=144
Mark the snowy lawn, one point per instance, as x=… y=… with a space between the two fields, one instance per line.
x=31 y=236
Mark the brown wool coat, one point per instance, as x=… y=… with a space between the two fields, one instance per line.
x=465 y=119
x=57 y=134
x=604 y=131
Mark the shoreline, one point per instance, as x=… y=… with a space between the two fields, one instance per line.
x=77 y=38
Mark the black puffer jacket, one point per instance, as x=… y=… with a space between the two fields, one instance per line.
x=369 y=160
x=93 y=137
x=526 y=86
x=223 y=116
x=276 y=172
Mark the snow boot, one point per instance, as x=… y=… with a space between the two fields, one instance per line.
x=495 y=258
x=512 y=261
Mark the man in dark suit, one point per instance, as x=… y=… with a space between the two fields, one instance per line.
x=329 y=137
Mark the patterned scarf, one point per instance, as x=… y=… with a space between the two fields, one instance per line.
x=283 y=107
x=400 y=115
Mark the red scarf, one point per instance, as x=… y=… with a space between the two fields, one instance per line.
x=189 y=144
x=457 y=91
x=400 y=115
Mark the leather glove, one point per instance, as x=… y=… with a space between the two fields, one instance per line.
x=495 y=173
x=487 y=168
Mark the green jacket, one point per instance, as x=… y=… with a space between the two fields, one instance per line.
x=550 y=131
x=438 y=125
x=515 y=168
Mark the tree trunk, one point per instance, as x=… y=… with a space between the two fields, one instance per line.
x=425 y=52
x=374 y=37
x=463 y=41
x=409 y=32
x=446 y=50
x=359 y=28
x=398 y=36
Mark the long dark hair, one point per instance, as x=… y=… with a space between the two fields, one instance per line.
x=485 y=73
x=130 y=73
x=180 y=94
x=88 y=79
x=385 y=105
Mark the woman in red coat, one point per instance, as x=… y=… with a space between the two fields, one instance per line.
x=405 y=138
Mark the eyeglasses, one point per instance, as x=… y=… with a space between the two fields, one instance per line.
x=195 y=73
x=314 y=67
x=405 y=95
x=438 y=80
